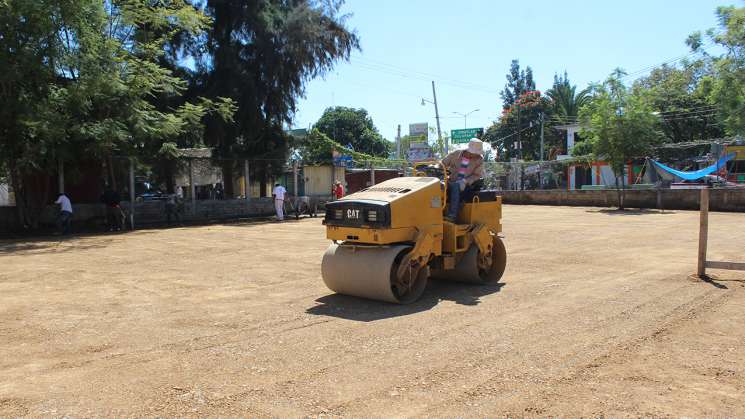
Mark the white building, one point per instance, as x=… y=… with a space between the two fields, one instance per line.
x=598 y=173
x=6 y=197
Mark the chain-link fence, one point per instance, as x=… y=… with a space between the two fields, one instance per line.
x=198 y=186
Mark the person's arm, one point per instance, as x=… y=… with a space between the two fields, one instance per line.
x=478 y=173
x=449 y=162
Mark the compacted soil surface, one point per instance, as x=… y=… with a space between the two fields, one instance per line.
x=596 y=315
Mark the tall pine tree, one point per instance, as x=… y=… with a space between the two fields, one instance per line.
x=261 y=53
x=518 y=82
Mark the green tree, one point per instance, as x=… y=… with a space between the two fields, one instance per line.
x=565 y=101
x=524 y=116
x=726 y=87
x=317 y=147
x=518 y=82
x=620 y=126
x=523 y=110
x=84 y=74
x=314 y=148
x=350 y=126
x=681 y=97
x=261 y=53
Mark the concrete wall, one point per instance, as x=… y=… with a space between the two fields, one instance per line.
x=318 y=179
x=92 y=216
x=356 y=181
x=687 y=199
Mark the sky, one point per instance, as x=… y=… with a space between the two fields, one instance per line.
x=466 y=47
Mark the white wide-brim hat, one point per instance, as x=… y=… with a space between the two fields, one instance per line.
x=476 y=146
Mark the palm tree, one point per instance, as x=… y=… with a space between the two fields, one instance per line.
x=566 y=100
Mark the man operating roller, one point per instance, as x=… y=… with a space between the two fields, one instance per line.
x=464 y=168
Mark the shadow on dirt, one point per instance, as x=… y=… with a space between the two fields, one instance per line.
x=635 y=211
x=42 y=246
x=364 y=310
x=712 y=280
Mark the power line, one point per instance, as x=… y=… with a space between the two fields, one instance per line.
x=415 y=77
x=513 y=134
x=399 y=92
x=692 y=108
x=706 y=111
x=696 y=143
x=691 y=117
x=427 y=76
x=673 y=60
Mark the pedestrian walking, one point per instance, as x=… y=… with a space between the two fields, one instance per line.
x=64 y=219
x=279 y=200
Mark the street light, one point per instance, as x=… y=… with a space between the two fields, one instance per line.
x=465 y=116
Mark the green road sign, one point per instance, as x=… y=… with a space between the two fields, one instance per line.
x=460 y=136
x=298 y=133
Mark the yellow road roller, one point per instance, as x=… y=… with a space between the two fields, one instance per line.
x=389 y=239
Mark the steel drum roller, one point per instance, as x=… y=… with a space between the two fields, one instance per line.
x=368 y=272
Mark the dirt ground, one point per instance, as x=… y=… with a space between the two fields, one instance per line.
x=596 y=315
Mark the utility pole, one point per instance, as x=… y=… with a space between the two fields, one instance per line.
x=540 y=158
x=398 y=143
x=520 y=147
x=294 y=182
x=437 y=118
x=519 y=143
x=541 y=153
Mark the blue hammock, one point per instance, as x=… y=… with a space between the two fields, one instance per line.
x=698 y=174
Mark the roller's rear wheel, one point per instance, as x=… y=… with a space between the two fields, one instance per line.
x=475 y=269
x=494 y=271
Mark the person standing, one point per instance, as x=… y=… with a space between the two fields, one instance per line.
x=219 y=191
x=172 y=208
x=338 y=190
x=464 y=168
x=64 y=220
x=279 y=200
x=114 y=213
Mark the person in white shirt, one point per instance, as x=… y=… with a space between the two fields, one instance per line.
x=279 y=200
x=65 y=215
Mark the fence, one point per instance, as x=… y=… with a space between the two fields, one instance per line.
x=212 y=188
x=703 y=240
